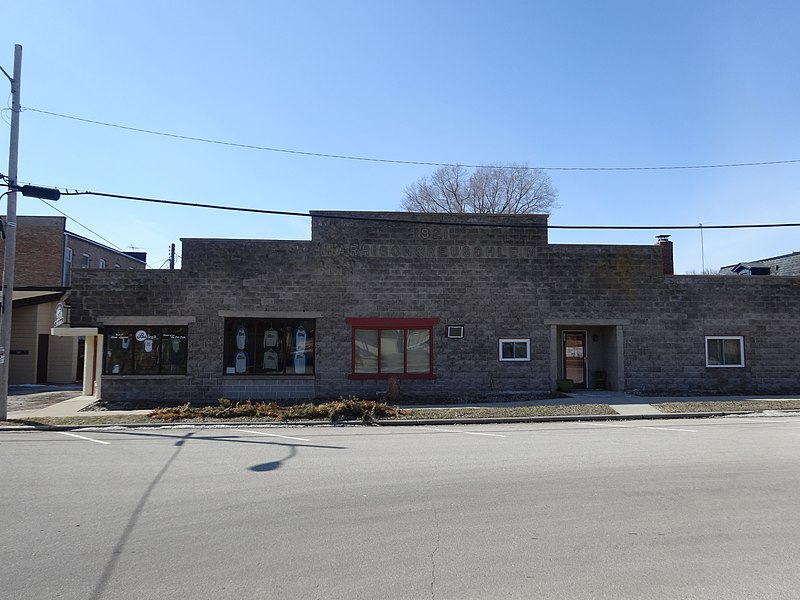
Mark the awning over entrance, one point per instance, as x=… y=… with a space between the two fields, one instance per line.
x=92 y=365
x=31 y=297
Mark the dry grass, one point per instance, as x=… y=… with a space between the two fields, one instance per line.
x=508 y=411
x=728 y=405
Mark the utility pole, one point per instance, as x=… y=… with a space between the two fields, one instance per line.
x=172 y=256
x=11 y=233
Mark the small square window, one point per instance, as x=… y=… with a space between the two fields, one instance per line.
x=85 y=261
x=102 y=263
x=725 y=351
x=514 y=349
x=455 y=331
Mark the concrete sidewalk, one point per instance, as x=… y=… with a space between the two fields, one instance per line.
x=70 y=408
x=622 y=403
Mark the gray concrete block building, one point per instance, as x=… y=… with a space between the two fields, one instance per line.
x=445 y=305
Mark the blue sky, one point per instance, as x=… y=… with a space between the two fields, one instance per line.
x=553 y=84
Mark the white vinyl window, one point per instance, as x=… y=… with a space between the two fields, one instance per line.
x=102 y=263
x=67 y=267
x=724 y=351
x=514 y=349
x=85 y=260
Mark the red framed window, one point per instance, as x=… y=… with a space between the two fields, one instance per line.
x=384 y=348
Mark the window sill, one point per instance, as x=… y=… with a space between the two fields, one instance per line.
x=142 y=376
x=262 y=376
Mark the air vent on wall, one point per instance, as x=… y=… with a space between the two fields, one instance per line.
x=455 y=331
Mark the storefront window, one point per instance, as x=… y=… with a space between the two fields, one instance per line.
x=145 y=350
x=269 y=346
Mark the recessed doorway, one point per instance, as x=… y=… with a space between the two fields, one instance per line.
x=574 y=346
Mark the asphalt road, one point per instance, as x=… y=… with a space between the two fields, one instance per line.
x=637 y=509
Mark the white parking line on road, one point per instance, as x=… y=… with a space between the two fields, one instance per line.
x=81 y=437
x=775 y=419
x=620 y=426
x=668 y=428
x=461 y=431
x=285 y=437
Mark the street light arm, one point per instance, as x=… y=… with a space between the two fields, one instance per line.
x=36 y=191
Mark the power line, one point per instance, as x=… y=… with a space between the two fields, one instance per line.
x=352 y=217
x=82 y=225
x=407 y=162
x=112 y=244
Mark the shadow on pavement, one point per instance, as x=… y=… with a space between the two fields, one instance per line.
x=32 y=397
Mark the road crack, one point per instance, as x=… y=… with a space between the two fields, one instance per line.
x=434 y=551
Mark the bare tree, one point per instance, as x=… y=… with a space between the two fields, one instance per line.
x=446 y=191
x=494 y=189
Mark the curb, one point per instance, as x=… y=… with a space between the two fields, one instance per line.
x=385 y=422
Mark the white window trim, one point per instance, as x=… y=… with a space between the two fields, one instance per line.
x=102 y=263
x=726 y=337
x=455 y=331
x=527 y=342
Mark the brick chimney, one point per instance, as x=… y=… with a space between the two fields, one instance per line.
x=666 y=254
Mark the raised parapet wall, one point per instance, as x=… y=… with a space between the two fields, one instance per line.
x=334 y=229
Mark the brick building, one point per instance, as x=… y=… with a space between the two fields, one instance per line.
x=450 y=305
x=46 y=254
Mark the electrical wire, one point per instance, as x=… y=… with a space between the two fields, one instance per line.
x=352 y=217
x=408 y=162
x=82 y=225
x=73 y=219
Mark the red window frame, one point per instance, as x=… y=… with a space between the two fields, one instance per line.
x=377 y=324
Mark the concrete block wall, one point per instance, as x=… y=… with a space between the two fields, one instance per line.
x=665 y=349
x=494 y=282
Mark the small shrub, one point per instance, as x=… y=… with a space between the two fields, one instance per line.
x=393 y=390
x=175 y=413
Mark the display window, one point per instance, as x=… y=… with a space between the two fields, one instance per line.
x=145 y=350
x=269 y=346
x=384 y=348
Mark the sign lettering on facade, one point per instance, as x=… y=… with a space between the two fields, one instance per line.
x=59 y=320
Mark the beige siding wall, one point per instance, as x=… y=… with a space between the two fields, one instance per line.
x=29 y=322
x=62 y=352
x=63 y=359
x=22 y=368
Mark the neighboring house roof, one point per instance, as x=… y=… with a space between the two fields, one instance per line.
x=137 y=256
x=785 y=264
